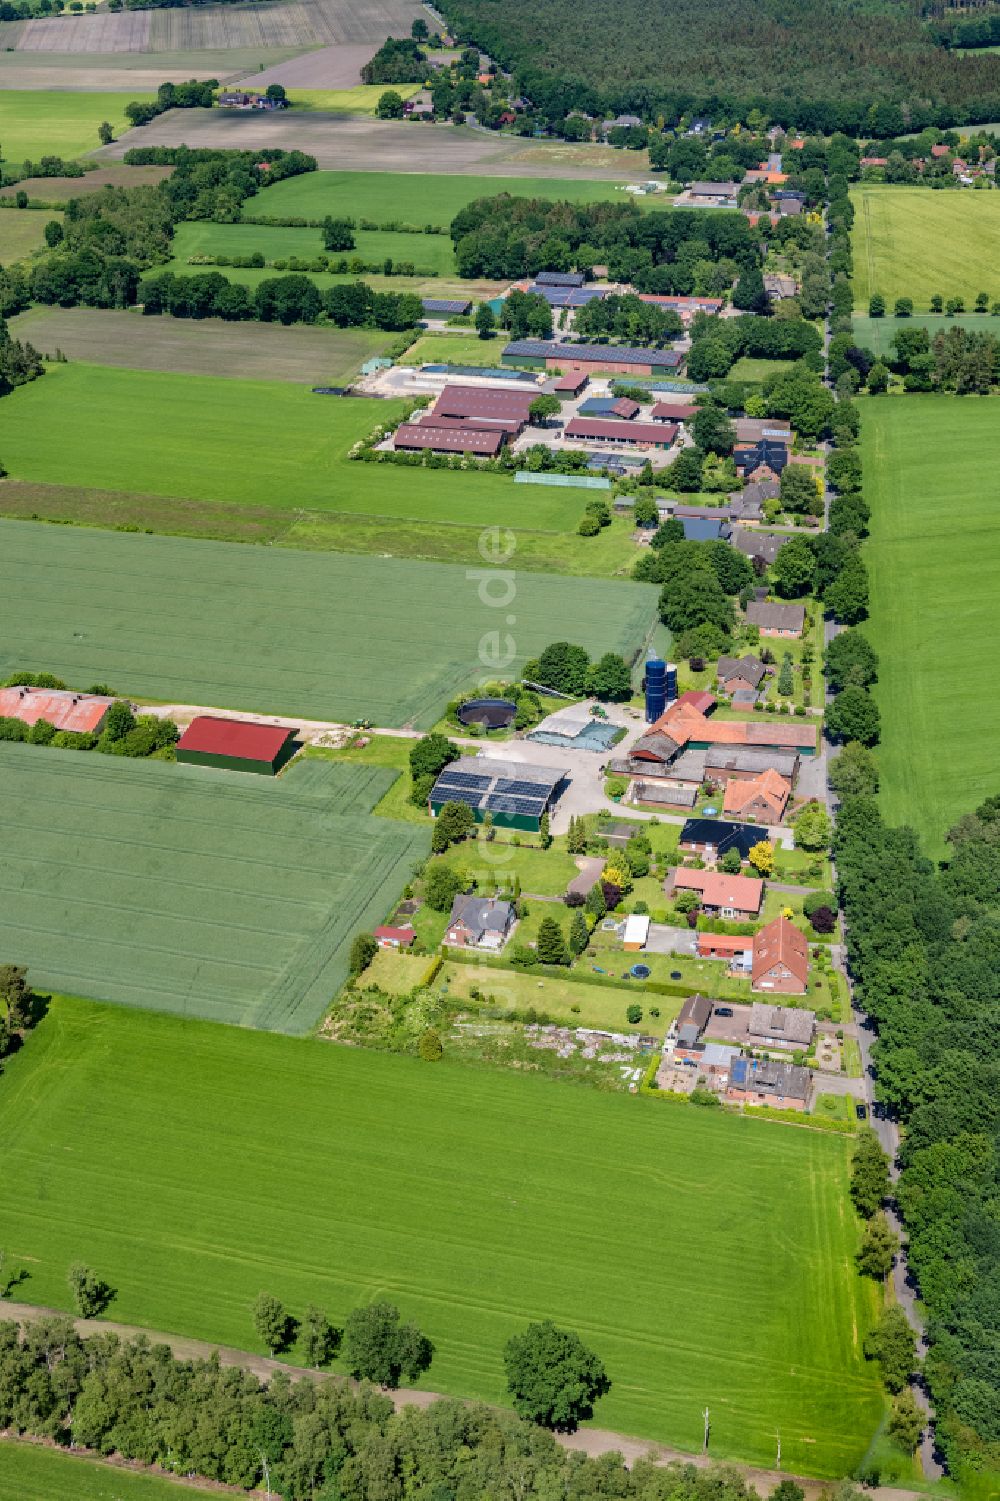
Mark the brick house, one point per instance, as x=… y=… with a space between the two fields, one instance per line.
x=479 y=922
x=781 y=958
x=735 y=898
x=761 y=800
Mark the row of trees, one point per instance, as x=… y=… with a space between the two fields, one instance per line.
x=568 y=669
x=294 y=298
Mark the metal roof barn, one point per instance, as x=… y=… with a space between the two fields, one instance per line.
x=236 y=744
x=82 y=713
x=461 y=439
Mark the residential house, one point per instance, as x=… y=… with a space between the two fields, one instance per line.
x=780 y=1027
x=757 y=544
x=762 y=800
x=713 y=194
x=761 y=1081
x=776 y=620
x=692 y=1019
x=753 y=429
x=714 y=837
x=735 y=898
x=764 y=459
x=395 y=938
x=779 y=287
x=724 y=763
x=479 y=922
x=736 y=673
x=781 y=959
x=747 y=505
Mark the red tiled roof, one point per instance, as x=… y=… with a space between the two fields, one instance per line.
x=770 y=786
x=723 y=943
x=720 y=890
x=696 y=698
x=483 y=401
x=672 y=411
x=461 y=439
x=781 y=942
x=621 y=432
x=79 y=712
x=399 y=935
x=244 y=739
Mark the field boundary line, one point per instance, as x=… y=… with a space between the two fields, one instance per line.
x=590 y=1441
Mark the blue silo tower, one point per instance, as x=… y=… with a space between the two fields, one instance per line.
x=656 y=688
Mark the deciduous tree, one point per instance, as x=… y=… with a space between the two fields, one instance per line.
x=553 y=1378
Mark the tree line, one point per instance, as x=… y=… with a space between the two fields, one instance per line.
x=280 y=299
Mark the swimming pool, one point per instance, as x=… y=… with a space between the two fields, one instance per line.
x=595 y=735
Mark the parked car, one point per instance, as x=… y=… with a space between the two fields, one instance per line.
x=723 y=1010
x=860 y=1112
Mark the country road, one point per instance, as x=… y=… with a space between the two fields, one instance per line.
x=589 y=1441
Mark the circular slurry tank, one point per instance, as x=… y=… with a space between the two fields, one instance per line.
x=491 y=713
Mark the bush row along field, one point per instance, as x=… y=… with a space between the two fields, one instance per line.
x=37 y=124
x=934 y=608
x=474 y=1230
x=412 y=197
x=312 y=356
x=427 y=252
x=913 y=242
x=321 y=635
x=263 y=443
x=207 y=893
x=31 y=1473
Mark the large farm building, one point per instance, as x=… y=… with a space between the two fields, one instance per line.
x=615 y=359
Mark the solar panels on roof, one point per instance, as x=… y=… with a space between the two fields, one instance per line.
x=463 y=779
x=445 y=305
x=560 y=278
x=599 y=354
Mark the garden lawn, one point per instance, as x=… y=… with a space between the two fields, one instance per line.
x=455 y=349
x=934 y=604
x=428 y=253
x=397 y=973
x=749 y=369
x=317 y=635
x=913 y=242
x=256 y=443
x=208 y=893
x=39 y=122
x=31 y=1473
x=412 y=197
x=568 y=1001
x=474 y=1198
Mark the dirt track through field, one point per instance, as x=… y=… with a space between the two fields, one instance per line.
x=590 y=1441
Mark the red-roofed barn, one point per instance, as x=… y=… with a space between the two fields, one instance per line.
x=83 y=713
x=237 y=744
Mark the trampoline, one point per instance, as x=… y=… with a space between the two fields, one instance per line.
x=491 y=713
x=675 y=974
x=641 y=971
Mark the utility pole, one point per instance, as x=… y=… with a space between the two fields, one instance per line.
x=704 y=1447
x=267 y=1471
x=778 y=1437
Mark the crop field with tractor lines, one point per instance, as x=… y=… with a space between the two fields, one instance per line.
x=335 y=1175
x=321 y=635
x=218 y=894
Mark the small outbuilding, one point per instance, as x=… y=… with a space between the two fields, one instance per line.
x=237 y=745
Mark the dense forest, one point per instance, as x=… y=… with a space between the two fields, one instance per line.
x=869 y=67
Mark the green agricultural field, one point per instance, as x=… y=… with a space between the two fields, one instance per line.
x=28 y=1473
x=312 y=355
x=361 y=100
x=913 y=242
x=252 y=443
x=428 y=253
x=414 y=198
x=935 y=609
x=40 y=122
x=475 y=1198
x=207 y=893
x=319 y=635
x=877 y=334
x=22 y=231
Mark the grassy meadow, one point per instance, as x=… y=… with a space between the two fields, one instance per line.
x=303 y=1187
x=877 y=334
x=428 y=253
x=934 y=603
x=44 y=122
x=905 y=242
x=413 y=197
x=22 y=231
x=320 y=635
x=191 y=890
x=360 y=100
x=30 y=1473
x=271 y=444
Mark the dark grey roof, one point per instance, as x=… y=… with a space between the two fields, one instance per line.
x=703 y=529
x=560 y=278
x=482 y=914
x=787 y=1023
x=764 y=545
x=748 y=667
x=782 y=1080
x=749 y=758
x=776 y=617
x=692 y=1019
x=615 y=354
x=497 y=786
x=722 y=835
x=662 y=746
x=445 y=305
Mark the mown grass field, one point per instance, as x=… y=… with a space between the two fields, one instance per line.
x=417 y=197
x=22 y=231
x=217 y=894
x=359 y=100
x=40 y=123
x=429 y=253
x=29 y=1473
x=913 y=242
x=334 y=1175
x=210 y=346
x=935 y=609
x=252 y=443
x=321 y=635
x=564 y=1000
x=877 y=334
x=456 y=349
